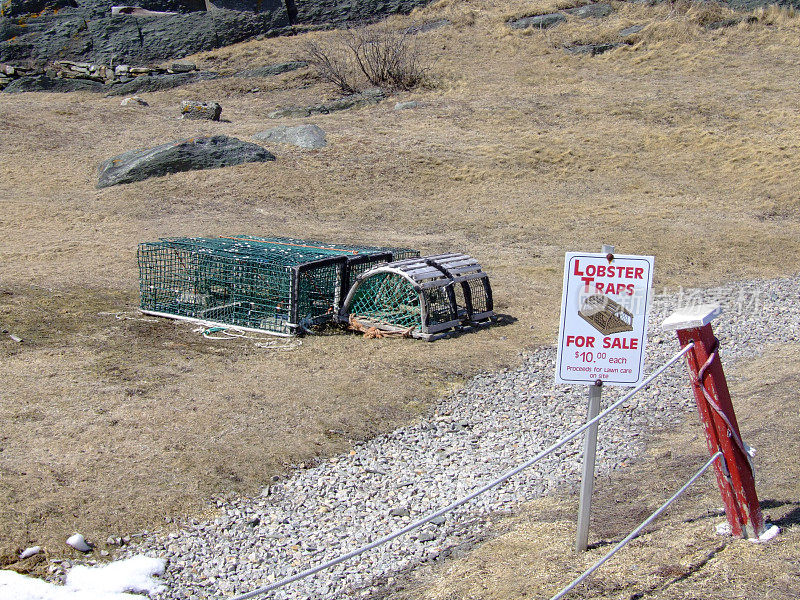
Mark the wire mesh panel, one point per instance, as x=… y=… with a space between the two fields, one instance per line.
x=358 y=258
x=442 y=309
x=178 y=278
x=471 y=285
x=318 y=291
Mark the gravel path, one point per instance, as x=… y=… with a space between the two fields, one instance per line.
x=496 y=422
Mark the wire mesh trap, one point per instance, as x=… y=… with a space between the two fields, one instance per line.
x=278 y=285
x=424 y=297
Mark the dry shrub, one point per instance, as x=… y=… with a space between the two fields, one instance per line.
x=775 y=15
x=380 y=56
x=709 y=13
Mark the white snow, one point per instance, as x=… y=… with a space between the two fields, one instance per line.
x=723 y=528
x=107 y=582
x=78 y=542
x=770 y=532
x=28 y=552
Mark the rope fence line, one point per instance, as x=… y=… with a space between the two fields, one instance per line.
x=638 y=530
x=483 y=489
x=747 y=451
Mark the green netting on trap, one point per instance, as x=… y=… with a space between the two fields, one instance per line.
x=359 y=258
x=215 y=286
x=387 y=298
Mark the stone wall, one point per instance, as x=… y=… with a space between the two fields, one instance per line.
x=106 y=74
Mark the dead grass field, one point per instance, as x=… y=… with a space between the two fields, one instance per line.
x=679 y=556
x=683 y=145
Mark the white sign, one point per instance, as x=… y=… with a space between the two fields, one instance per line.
x=603 y=329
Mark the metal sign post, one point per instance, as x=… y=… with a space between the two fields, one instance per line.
x=587 y=478
x=601 y=341
x=589 y=454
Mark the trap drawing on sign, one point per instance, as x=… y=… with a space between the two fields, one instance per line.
x=605 y=315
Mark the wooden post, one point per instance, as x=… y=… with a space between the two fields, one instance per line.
x=735 y=476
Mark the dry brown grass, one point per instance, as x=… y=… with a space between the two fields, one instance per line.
x=678 y=557
x=682 y=145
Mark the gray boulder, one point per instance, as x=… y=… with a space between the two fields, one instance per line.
x=191 y=109
x=538 y=21
x=182 y=67
x=309 y=137
x=133 y=101
x=407 y=105
x=183 y=155
x=270 y=70
x=591 y=10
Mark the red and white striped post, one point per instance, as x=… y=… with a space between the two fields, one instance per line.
x=735 y=476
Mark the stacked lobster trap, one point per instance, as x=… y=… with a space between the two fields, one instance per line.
x=285 y=285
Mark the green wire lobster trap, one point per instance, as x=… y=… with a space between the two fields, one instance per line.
x=424 y=297
x=277 y=285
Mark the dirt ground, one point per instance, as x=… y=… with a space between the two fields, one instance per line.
x=679 y=556
x=682 y=145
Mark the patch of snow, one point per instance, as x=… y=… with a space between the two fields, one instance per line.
x=28 y=552
x=770 y=532
x=107 y=582
x=723 y=528
x=78 y=542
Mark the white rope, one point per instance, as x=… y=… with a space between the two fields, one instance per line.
x=126 y=316
x=636 y=531
x=492 y=484
x=266 y=342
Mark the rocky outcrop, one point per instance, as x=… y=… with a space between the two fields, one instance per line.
x=143 y=31
x=83 y=34
x=308 y=137
x=538 y=21
x=45 y=83
x=318 y=12
x=271 y=70
x=365 y=98
x=184 y=155
x=155 y=83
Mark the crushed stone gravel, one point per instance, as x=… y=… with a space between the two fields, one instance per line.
x=497 y=421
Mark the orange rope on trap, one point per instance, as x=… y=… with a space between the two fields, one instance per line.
x=375 y=333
